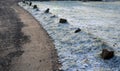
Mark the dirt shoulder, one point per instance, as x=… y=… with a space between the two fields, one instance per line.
x=39 y=54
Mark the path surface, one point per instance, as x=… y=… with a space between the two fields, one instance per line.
x=39 y=52
x=36 y=55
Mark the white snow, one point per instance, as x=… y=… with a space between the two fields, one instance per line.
x=80 y=51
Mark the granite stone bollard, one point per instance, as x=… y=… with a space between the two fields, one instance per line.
x=78 y=30
x=106 y=54
x=30 y=3
x=47 y=10
x=62 y=20
x=35 y=7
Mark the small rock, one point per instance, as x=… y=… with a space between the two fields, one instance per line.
x=107 y=54
x=40 y=60
x=78 y=30
x=63 y=20
x=35 y=7
x=47 y=10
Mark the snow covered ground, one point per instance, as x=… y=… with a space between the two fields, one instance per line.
x=100 y=24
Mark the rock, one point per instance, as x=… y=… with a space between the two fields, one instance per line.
x=78 y=30
x=62 y=20
x=107 y=54
x=47 y=10
x=35 y=7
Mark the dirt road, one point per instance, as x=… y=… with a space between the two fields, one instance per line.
x=31 y=51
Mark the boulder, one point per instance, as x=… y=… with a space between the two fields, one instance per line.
x=47 y=10
x=62 y=20
x=106 y=54
x=78 y=30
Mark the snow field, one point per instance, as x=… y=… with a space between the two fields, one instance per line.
x=76 y=51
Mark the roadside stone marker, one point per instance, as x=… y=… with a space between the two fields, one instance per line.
x=106 y=54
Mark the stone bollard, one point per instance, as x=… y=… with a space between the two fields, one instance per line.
x=78 y=30
x=62 y=20
x=107 y=54
x=30 y=3
x=35 y=7
x=47 y=10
